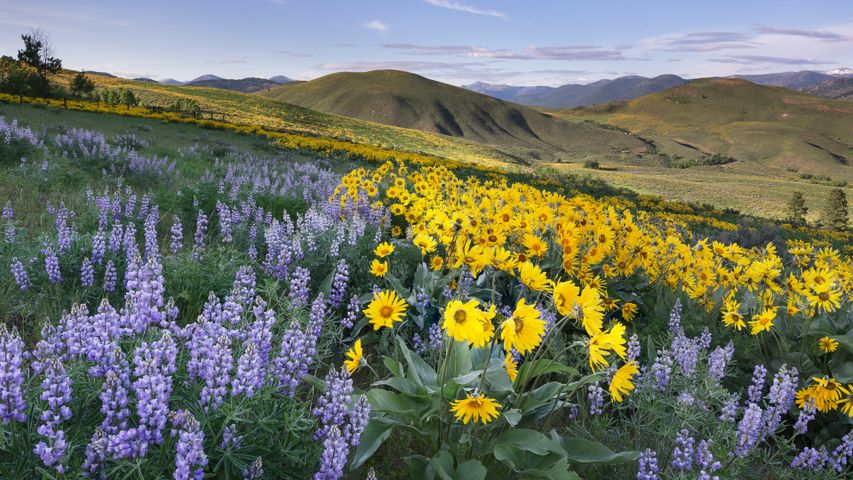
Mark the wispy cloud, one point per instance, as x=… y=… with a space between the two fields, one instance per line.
x=465 y=8
x=818 y=34
x=403 y=65
x=751 y=59
x=377 y=26
x=571 y=52
x=227 y=61
x=288 y=53
x=704 y=42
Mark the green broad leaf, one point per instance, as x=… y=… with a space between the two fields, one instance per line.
x=315 y=382
x=391 y=402
x=471 y=470
x=579 y=450
x=532 y=370
x=459 y=360
x=468 y=378
x=528 y=440
x=443 y=465
x=845 y=341
x=397 y=285
x=401 y=384
x=512 y=416
x=373 y=437
x=419 y=370
x=393 y=366
x=498 y=380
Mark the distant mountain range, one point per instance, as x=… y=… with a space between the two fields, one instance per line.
x=575 y=95
x=246 y=85
x=832 y=84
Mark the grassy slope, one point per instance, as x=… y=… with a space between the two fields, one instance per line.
x=407 y=100
x=243 y=108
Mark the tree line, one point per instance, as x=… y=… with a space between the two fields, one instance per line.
x=834 y=216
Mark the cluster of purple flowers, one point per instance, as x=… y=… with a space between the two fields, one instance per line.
x=12 y=403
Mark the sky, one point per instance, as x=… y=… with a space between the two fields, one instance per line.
x=516 y=42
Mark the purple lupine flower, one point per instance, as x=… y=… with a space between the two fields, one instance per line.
x=177 y=235
x=334 y=406
x=633 y=348
x=255 y=470
x=56 y=391
x=685 y=352
x=260 y=331
x=675 y=319
x=129 y=241
x=686 y=398
x=316 y=318
x=95 y=454
x=225 y=222
x=99 y=246
x=130 y=206
x=756 y=390
x=8 y=213
x=339 y=284
x=729 y=410
x=662 y=369
x=705 y=339
x=143 y=206
x=418 y=344
x=253 y=238
x=229 y=439
x=705 y=459
x=353 y=310
x=807 y=414
x=781 y=396
x=682 y=454
x=422 y=299
x=20 y=274
x=244 y=285
x=648 y=466
x=51 y=266
x=12 y=403
x=291 y=365
x=596 y=399
x=116 y=237
x=200 y=234
x=749 y=430
x=358 y=419
x=150 y=232
x=334 y=458
x=298 y=291
x=154 y=365
x=250 y=372
x=190 y=458
x=217 y=374
x=436 y=337
x=114 y=400
x=810 y=458
x=719 y=359
x=842 y=453
x=87 y=273
x=110 y=277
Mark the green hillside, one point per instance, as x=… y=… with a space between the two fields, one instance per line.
x=775 y=127
x=407 y=100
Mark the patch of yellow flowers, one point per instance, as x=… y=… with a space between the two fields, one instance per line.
x=525 y=232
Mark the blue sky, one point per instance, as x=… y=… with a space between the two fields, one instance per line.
x=523 y=42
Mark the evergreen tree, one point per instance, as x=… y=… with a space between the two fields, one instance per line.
x=836 y=214
x=38 y=54
x=797 y=209
x=81 y=85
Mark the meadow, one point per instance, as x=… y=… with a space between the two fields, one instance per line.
x=187 y=302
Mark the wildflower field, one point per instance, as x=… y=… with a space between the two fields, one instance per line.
x=189 y=303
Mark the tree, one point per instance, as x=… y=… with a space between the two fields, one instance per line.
x=835 y=213
x=797 y=209
x=15 y=78
x=81 y=84
x=38 y=54
x=128 y=99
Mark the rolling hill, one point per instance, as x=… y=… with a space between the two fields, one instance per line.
x=575 y=95
x=411 y=101
x=773 y=126
x=836 y=88
x=247 y=85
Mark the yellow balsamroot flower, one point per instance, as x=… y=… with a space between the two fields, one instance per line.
x=826 y=300
x=731 y=315
x=828 y=345
x=533 y=276
x=386 y=308
x=511 y=366
x=436 y=263
x=487 y=326
x=426 y=243
x=826 y=393
x=354 y=357
x=474 y=256
x=586 y=305
x=378 y=268
x=524 y=329
x=846 y=402
x=475 y=407
x=462 y=321
x=622 y=382
x=762 y=322
x=565 y=297
x=629 y=311
x=602 y=343
x=536 y=247
x=504 y=260
x=610 y=304
x=384 y=249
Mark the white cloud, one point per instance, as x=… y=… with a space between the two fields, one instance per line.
x=377 y=26
x=465 y=8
